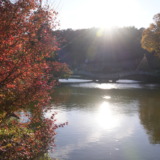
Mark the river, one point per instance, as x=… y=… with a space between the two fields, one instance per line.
x=107 y=121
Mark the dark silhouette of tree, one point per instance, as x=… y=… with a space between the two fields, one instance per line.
x=104 y=51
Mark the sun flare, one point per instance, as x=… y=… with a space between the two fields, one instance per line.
x=106 y=118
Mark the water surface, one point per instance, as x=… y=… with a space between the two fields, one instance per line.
x=114 y=121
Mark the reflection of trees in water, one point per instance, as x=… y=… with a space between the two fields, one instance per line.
x=148 y=99
x=61 y=95
x=73 y=97
x=149 y=113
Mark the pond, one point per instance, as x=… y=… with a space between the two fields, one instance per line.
x=107 y=121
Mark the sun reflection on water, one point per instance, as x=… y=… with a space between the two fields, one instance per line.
x=106 y=86
x=107 y=97
x=106 y=117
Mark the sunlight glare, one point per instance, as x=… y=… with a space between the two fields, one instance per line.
x=106 y=118
x=107 y=97
x=106 y=86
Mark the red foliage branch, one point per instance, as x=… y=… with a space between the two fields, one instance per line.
x=26 y=41
x=26 y=75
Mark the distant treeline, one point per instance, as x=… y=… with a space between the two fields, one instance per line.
x=99 y=50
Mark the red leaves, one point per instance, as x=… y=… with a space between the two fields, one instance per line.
x=19 y=149
x=10 y=86
x=26 y=40
x=27 y=76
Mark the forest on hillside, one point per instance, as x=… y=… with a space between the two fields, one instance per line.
x=105 y=51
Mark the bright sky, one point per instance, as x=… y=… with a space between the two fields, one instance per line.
x=78 y=14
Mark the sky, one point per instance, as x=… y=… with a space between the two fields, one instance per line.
x=77 y=14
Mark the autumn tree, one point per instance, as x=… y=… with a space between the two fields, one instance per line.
x=151 y=36
x=26 y=41
x=27 y=75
